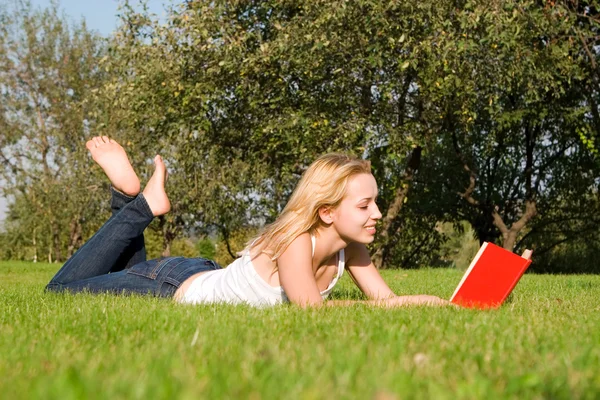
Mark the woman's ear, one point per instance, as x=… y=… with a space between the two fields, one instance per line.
x=325 y=215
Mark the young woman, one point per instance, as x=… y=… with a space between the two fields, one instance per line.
x=299 y=258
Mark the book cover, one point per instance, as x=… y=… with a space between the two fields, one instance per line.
x=490 y=278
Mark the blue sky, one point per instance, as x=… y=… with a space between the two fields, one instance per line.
x=100 y=15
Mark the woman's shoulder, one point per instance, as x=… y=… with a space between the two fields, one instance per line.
x=301 y=242
x=298 y=252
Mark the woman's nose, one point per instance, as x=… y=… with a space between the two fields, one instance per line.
x=377 y=213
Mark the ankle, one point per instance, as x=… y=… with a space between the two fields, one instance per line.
x=145 y=205
x=118 y=193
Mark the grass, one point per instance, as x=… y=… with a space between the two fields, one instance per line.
x=544 y=343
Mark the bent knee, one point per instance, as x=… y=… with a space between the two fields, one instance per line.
x=54 y=287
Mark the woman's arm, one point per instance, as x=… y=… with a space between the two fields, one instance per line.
x=369 y=281
x=297 y=278
x=394 y=302
x=296 y=275
x=364 y=274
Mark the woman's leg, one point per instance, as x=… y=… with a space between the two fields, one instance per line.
x=99 y=255
x=102 y=252
x=136 y=251
x=160 y=278
x=125 y=186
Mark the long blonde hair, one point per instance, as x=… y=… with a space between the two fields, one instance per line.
x=323 y=184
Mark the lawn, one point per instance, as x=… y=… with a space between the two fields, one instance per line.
x=543 y=343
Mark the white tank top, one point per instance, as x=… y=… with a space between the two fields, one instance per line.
x=240 y=283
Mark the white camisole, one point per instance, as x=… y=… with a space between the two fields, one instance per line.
x=240 y=283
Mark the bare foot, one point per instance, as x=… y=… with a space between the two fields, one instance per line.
x=154 y=192
x=113 y=160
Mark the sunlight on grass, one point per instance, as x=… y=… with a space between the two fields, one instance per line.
x=542 y=344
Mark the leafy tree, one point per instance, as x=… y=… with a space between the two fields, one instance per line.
x=264 y=88
x=468 y=110
x=46 y=69
x=507 y=90
x=206 y=248
x=479 y=98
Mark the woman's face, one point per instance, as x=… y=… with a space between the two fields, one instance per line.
x=357 y=213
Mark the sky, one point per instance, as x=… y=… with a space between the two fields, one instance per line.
x=100 y=16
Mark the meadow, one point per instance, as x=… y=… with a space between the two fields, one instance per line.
x=543 y=343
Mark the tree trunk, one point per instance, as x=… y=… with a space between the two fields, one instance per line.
x=483 y=225
x=56 y=242
x=35 y=257
x=394 y=210
x=75 y=231
x=225 y=233
x=509 y=236
x=509 y=241
x=166 y=248
x=168 y=237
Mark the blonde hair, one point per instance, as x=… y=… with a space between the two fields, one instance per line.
x=323 y=184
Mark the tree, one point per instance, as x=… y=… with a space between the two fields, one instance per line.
x=467 y=110
x=264 y=88
x=508 y=93
x=47 y=68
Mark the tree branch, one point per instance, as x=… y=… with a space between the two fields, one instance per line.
x=394 y=210
x=468 y=193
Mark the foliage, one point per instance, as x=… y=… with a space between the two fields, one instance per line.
x=206 y=248
x=489 y=88
x=227 y=249
x=182 y=246
x=567 y=240
x=507 y=89
x=461 y=246
x=46 y=70
x=479 y=111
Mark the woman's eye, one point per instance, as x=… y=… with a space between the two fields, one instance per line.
x=363 y=207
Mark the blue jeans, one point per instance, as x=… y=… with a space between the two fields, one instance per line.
x=114 y=259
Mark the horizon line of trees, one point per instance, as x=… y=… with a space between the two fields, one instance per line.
x=478 y=116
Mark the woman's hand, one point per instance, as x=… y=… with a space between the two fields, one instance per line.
x=422 y=299
x=396 y=301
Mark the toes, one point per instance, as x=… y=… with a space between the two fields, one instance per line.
x=98 y=141
x=159 y=163
x=159 y=167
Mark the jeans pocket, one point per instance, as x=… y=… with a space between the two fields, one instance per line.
x=213 y=264
x=167 y=289
x=150 y=269
x=206 y=264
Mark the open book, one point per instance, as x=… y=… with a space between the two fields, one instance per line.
x=491 y=277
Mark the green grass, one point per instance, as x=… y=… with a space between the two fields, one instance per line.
x=544 y=343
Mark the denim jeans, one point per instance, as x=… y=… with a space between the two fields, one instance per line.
x=114 y=259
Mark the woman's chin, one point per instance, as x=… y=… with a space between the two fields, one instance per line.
x=368 y=239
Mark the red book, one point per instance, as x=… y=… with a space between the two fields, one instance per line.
x=491 y=277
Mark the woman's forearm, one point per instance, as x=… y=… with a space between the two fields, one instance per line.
x=393 y=302
x=338 y=303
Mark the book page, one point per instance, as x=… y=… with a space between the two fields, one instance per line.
x=468 y=271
